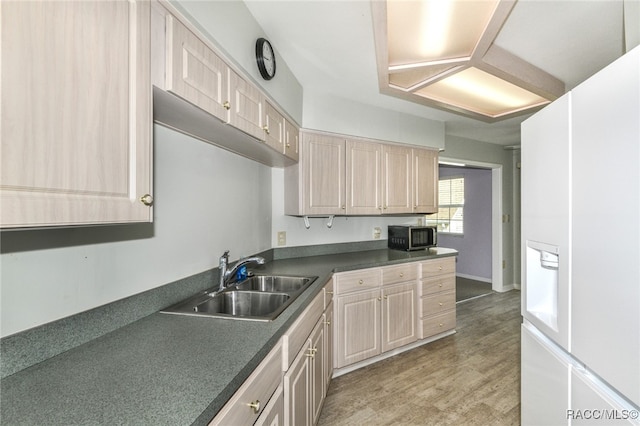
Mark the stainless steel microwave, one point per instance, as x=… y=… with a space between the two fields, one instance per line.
x=408 y=237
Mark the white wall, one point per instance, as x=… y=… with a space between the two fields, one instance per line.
x=344 y=228
x=207 y=200
x=339 y=115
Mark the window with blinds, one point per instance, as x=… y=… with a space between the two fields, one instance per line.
x=450 y=216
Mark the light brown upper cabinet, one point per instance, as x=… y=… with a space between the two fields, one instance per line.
x=425 y=181
x=274 y=132
x=76 y=113
x=364 y=177
x=340 y=175
x=316 y=184
x=397 y=179
x=197 y=74
x=280 y=133
x=291 y=140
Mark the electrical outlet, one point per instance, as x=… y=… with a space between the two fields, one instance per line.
x=376 y=233
x=282 y=238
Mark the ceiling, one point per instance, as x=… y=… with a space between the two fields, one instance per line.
x=329 y=46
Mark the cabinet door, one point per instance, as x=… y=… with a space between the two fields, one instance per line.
x=247 y=106
x=425 y=181
x=274 y=132
x=76 y=113
x=397 y=179
x=194 y=72
x=357 y=322
x=399 y=315
x=323 y=163
x=297 y=395
x=364 y=178
x=291 y=140
x=273 y=413
x=316 y=369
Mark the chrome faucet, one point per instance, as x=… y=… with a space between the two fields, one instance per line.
x=227 y=274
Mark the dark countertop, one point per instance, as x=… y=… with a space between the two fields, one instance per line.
x=169 y=369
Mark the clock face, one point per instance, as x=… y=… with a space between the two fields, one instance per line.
x=265 y=58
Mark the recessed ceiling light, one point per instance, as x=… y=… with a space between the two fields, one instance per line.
x=440 y=53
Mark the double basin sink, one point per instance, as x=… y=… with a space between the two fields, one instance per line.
x=257 y=298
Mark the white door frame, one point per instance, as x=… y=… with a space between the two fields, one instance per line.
x=497 y=275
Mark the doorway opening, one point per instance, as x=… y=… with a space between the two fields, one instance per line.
x=495 y=221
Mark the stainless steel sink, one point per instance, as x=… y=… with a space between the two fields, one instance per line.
x=258 y=298
x=271 y=283
x=243 y=303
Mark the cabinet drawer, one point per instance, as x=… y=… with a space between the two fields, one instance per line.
x=400 y=273
x=436 y=285
x=299 y=332
x=257 y=389
x=328 y=293
x=438 y=324
x=438 y=303
x=432 y=268
x=358 y=280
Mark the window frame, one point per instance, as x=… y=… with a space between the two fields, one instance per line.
x=434 y=218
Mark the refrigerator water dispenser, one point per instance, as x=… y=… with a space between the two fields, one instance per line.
x=542 y=283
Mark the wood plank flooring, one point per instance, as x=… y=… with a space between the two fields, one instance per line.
x=468 y=289
x=469 y=378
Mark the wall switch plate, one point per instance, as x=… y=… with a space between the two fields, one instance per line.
x=376 y=233
x=282 y=238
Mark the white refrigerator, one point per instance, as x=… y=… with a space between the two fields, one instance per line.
x=581 y=253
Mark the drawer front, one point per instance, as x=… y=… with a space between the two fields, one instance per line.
x=257 y=390
x=435 y=267
x=400 y=273
x=438 y=324
x=299 y=332
x=358 y=280
x=436 y=285
x=438 y=303
x=328 y=293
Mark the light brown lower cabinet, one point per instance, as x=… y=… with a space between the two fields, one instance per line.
x=358 y=315
x=273 y=413
x=248 y=403
x=371 y=322
x=379 y=310
x=302 y=355
x=306 y=380
x=437 y=297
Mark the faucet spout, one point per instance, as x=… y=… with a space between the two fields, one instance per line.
x=226 y=273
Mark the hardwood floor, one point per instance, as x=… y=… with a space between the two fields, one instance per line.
x=469 y=378
x=468 y=289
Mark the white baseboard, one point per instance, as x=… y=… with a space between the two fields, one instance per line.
x=509 y=287
x=473 y=277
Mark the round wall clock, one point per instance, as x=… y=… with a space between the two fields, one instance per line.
x=265 y=58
